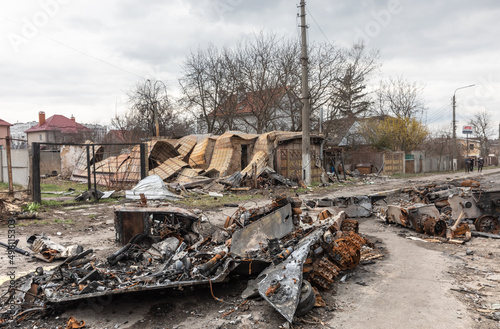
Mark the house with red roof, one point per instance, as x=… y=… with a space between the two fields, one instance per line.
x=259 y=111
x=4 y=132
x=57 y=129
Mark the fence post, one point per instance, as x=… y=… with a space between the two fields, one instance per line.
x=1 y=164
x=143 y=160
x=9 y=166
x=35 y=173
x=89 y=181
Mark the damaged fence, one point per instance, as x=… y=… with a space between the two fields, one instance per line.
x=86 y=165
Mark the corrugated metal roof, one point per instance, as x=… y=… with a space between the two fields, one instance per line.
x=187 y=175
x=185 y=145
x=224 y=150
x=259 y=159
x=198 y=157
x=81 y=164
x=169 y=168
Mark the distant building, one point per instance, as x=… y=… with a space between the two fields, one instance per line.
x=19 y=137
x=4 y=132
x=99 y=132
x=268 y=110
x=57 y=129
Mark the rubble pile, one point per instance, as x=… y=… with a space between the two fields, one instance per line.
x=176 y=247
x=10 y=205
x=235 y=160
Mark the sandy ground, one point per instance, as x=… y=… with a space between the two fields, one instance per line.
x=416 y=285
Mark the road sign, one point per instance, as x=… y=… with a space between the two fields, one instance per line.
x=467 y=130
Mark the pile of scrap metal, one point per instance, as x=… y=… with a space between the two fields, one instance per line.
x=43 y=248
x=180 y=248
x=447 y=210
x=48 y=250
x=355 y=206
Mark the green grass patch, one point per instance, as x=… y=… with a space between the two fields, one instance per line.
x=207 y=202
x=25 y=223
x=5 y=187
x=64 y=221
x=57 y=204
x=31 y=207
x=62 y=186
x=73 y=204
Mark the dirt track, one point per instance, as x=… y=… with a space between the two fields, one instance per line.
x=409 y=288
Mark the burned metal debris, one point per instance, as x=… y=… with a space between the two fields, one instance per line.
x=173 y=247
x=423 y=218
x=48 y=250
x=447 y=210
x=356 y=206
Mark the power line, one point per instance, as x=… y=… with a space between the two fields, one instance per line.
x=438 y=114
x=94 y=57
x=79 y=51
x=319 y=27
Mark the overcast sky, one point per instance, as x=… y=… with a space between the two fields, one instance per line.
x=81 y=57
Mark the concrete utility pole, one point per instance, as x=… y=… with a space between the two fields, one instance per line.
x=454 y=146
x=306 y=106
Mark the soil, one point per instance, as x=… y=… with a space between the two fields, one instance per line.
x=415 y=285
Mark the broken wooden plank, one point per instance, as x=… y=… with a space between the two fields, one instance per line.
x=240 y=189
x=455 y=241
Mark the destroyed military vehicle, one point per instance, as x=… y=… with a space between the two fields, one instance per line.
x=168 y=247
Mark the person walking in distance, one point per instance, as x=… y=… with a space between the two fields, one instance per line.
x=480 y=164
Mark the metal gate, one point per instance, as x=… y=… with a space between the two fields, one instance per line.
x=393 y=163
x=290 y=164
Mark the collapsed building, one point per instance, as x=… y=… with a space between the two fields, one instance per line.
x=167 y=247
x=238 y=156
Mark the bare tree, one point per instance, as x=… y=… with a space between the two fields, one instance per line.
x=149 y=101
x=209 y=79
x=350 y=97
x=257 y=85
x=400 y=98
x=265 y=65
x=439 y=144
x=343 y=94
x=483 y=130
x=325 y=66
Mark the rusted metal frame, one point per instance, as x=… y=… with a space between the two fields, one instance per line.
x=227 y=267
x=289 y=274
x=89 y=182
x=35 y=166
x=27 y=293
x=93 y=168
